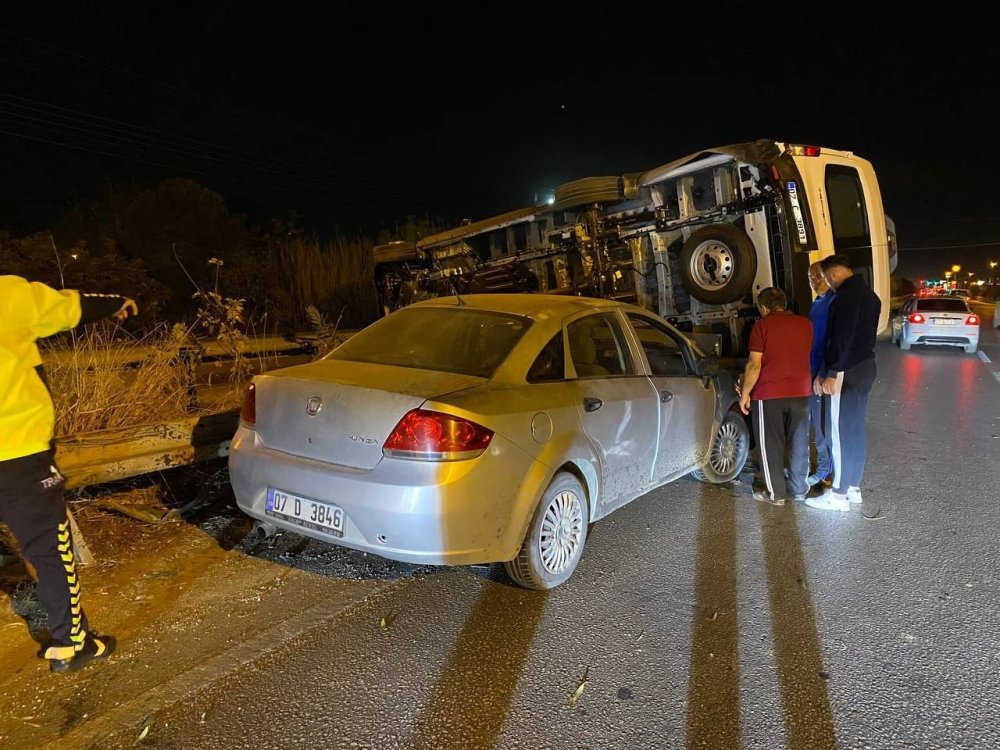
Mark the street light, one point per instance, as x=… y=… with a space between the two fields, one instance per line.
x=993 y=264
x=956 y=268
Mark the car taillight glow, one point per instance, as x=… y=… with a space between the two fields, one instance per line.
x=433 y=436
x=248 y=412
x=972 y=320
x=805 y=150
x=916 y=318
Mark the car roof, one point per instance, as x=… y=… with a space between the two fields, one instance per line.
x=528 y=305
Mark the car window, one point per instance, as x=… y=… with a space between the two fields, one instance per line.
x=446 y=339
x=942 y=304
x=550 y=364
x=598 y=347
x=662 y=351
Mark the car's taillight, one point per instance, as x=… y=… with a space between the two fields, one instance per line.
x=433 y=436
x=972 y=320
x=805 y=150
x=248 y=413
x=916 y=318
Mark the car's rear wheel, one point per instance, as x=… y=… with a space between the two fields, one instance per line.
x=556 y=536
x=728 y=452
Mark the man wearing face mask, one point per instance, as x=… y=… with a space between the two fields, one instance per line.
x=819 y=404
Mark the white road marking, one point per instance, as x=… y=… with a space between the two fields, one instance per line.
x=982 y=356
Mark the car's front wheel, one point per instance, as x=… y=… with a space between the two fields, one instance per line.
x=556 y=536
x=728 y=453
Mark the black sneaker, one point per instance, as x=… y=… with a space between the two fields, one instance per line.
x=95 y=647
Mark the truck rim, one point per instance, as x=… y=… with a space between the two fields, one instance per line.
x=712 y=264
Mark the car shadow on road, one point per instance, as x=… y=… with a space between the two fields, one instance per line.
x=469 y=703
x=714 y=682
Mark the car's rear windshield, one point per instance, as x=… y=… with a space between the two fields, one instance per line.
x=942 y=305
x=446 y=339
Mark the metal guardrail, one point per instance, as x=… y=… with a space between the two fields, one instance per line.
x=95 y=457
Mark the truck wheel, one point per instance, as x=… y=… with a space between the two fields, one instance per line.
x=554 y=542
x=718 y=264
x=728 y=452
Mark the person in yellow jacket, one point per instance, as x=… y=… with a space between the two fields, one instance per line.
x=31 y=487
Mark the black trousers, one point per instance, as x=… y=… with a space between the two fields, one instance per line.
x=33 y=508
x=782 y=428
x=847 y=418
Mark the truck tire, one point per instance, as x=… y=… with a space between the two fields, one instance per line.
x=718 y=264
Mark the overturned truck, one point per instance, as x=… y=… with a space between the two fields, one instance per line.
x=693 y=240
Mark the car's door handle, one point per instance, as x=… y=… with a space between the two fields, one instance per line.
x=666 y=396
x=592 y=404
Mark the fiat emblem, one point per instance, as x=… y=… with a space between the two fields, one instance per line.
x=313 y=405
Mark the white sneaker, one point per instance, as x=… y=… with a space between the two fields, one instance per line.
x=854 y=495
x=829 y=501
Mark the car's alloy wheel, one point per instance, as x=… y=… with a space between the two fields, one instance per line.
x=728 y=452
x=561 y=535
x=556 y=535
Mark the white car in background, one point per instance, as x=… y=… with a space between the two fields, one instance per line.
x=936 y=321
x=996 y=314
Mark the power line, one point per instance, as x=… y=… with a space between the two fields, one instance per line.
x=126 y=136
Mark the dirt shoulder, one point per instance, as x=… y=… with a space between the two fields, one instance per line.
x=179 y=598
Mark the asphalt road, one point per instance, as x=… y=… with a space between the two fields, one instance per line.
x=697 y=618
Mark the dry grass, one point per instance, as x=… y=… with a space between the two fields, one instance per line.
x=100 y=381
x=337 y=279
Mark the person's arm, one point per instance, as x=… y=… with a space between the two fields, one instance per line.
x=841 y=328
x=48 y=311
x=94 y=307
x=751 y=373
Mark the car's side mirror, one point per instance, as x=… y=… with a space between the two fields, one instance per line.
x=708 y=367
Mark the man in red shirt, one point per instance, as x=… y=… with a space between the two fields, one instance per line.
x=778 y=380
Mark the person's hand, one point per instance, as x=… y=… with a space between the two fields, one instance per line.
x=128 y=310
x=829 y=386
x=745 y=403
x=818 y=386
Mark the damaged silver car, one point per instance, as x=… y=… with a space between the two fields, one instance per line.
x=485 y=428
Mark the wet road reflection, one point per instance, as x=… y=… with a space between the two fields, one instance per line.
x=468 y=705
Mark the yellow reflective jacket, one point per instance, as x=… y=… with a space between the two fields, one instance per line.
x=28 y=311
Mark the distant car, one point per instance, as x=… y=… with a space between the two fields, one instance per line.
x=486 y=428
x=936 y=321
x=963 y=293
x=996 y=314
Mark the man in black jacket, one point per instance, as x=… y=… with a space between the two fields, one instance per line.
x=847 y=376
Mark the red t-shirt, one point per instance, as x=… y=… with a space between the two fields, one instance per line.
x=785 y=340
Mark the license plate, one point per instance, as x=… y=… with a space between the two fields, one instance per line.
x=945 y=322
x=306 y=512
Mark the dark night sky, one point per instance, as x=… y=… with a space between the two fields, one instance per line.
x=362 y=115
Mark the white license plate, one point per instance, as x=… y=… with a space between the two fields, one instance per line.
x=945 y=322
x=304 y=511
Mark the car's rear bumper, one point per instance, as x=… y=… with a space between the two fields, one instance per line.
x=940 y=336
x=436 y=513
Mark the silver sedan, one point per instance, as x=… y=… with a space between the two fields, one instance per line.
x=486 y=428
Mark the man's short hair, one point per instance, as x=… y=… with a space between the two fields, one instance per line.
x=772 y=298
x=836 y=260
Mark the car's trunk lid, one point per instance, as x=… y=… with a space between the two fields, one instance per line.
x=342 y=412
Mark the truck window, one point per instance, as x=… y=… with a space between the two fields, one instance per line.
x=848 y=214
